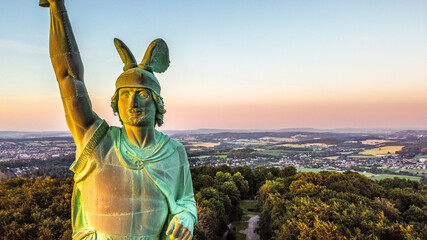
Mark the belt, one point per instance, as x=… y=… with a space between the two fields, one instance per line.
x=105 y=236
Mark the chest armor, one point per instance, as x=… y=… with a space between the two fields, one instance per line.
x=121 y=201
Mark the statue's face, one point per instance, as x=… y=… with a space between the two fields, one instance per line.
x=136 y=107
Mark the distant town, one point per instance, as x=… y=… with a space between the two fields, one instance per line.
x=40 y=149
x=376 y=155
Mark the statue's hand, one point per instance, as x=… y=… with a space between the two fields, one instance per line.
x=178 y=231
x=46 y=3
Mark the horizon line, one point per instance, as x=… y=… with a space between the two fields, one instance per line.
x=258 y=129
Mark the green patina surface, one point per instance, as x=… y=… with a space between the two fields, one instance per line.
x=131 y=182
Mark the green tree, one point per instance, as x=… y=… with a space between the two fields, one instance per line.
x=241 y=184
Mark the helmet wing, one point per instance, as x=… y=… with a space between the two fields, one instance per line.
x=156 y=58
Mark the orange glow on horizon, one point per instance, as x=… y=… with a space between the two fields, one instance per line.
x=45 y=113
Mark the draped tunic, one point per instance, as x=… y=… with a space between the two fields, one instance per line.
x=123 y=192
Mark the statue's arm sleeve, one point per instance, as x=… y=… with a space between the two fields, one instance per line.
x=185 y=196
x=81 y=229
x=68 y=68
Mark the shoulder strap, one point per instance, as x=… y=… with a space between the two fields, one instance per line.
x=81 y=162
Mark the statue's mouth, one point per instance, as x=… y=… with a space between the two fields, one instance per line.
x=135 y=112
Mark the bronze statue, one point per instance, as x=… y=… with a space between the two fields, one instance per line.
x=131 y=182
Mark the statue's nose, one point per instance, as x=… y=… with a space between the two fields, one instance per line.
x=133 y=101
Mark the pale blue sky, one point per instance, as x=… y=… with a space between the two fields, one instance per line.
x=287 y=54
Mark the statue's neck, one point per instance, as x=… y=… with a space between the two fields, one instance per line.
x=141 y=137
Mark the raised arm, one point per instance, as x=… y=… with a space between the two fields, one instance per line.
x=68 y=68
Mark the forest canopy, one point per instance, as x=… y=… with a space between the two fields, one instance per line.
x=325 y=205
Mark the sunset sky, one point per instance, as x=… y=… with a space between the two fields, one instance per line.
x=234 y=64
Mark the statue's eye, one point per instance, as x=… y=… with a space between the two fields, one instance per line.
x=124 y=94
x=143 y=94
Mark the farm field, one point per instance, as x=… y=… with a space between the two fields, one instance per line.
x=382 y=150
x=374 y=141
x=291 y=145
x=414 y=171
x=205 y=144
x=315 y=170
x=362 y=156
x=383 y=176
x=332 y=157
x=276 y=139
x=369 y=175
x=274 y=153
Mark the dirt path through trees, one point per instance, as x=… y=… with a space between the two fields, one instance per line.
x=252 y=225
